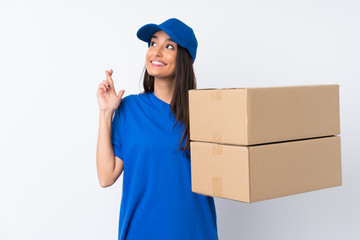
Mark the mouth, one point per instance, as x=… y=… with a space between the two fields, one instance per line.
x=157 y=63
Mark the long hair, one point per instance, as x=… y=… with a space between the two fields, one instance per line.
x=184 y=81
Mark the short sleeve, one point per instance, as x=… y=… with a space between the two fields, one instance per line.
x=116 y=131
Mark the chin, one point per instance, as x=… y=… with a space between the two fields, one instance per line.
x=156 y=74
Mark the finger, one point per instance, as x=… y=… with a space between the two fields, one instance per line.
x=108 y=74
x=104 y=88
x=101 y=90
x=101 y=85
x=109 y=79
x=121 y=93
x=106 y=84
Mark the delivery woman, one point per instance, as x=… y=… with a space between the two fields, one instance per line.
x=146 y=136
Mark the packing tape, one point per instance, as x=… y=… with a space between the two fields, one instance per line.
x=217 y=182
x=216 y=95
x=217 y=149
x=217 y=186
x=216 y=137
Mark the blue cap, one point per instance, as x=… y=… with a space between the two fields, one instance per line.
x=178 y=31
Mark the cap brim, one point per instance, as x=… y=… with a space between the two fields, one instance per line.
x=145 y=33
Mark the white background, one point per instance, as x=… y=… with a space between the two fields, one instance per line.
x=53 y=55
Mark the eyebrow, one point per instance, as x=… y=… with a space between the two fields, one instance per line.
x=169 y=39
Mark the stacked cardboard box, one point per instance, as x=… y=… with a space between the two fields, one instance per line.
x=253 y=144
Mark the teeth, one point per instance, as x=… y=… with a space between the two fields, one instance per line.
x=157 y=63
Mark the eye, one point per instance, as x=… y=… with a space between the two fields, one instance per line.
x=170 y=46
x=152 y=43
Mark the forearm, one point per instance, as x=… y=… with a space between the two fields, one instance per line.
x=105 y=159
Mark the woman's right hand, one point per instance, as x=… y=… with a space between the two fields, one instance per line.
x=107 y=98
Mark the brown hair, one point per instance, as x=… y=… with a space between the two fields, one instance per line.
x=184 y=81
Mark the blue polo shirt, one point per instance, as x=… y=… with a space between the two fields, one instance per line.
x=157 y=202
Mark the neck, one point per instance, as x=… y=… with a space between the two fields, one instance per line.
x=163 y=89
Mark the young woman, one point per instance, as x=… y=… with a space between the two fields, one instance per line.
x=146 y=136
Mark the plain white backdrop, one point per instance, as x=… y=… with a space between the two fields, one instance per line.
x=53 y=55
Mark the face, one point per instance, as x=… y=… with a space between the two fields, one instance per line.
x=161 y=56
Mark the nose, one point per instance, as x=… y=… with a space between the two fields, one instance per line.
x=158 y=52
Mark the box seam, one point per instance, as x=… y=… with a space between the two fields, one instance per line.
x=250 y=197
x=247 y=117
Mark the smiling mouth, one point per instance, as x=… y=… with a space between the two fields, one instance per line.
x=157 y=63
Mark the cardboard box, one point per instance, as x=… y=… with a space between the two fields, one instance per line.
x=248 y=116
x=266 y=171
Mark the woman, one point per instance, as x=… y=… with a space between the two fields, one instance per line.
x=148 y=140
